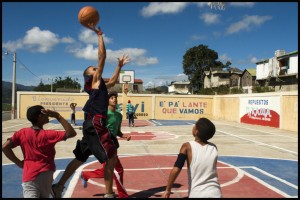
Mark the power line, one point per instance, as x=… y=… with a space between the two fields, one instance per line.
x=8 y=53
x=28 y=69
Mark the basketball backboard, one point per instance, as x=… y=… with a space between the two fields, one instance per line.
x=126 y=76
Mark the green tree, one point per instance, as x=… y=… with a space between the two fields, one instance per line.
x=42 y=87
x=68 y=82
x=59 y=82
x=198 y=59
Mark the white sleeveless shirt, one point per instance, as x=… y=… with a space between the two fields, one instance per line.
x=202 y=172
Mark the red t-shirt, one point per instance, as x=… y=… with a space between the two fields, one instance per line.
x=38 y=150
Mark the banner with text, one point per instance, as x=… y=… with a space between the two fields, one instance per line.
x=260 y=110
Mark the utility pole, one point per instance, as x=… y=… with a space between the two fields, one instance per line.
x=51 y=84
x=13 y=87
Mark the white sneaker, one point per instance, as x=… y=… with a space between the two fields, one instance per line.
x=112 y=195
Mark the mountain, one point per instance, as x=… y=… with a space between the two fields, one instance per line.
x=7 y=87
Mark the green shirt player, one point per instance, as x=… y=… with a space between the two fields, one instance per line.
x=114 y=121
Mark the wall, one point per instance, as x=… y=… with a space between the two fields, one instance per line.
x=277 y=109
x=289 y=112
x=226 y=107
x=293 y=64
x=55 y=101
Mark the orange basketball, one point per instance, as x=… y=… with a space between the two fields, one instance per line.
x=87 y=15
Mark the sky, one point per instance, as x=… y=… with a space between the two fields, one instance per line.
x=50 y=42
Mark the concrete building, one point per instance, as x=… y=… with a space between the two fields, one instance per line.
x=216 y=77
x=135 y=88
x=179 y=87
x=279 y=72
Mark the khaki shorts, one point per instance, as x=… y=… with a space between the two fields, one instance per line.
x=40 y=187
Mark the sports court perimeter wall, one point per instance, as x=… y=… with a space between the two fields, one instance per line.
x=278 y=110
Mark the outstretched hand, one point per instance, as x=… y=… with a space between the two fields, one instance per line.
x=93 y=28
x=123 y=60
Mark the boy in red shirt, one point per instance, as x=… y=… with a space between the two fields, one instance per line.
x=38 y=150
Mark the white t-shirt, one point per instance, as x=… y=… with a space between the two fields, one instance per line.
x=202 y=172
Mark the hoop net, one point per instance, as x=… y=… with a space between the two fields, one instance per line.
x=217 y=5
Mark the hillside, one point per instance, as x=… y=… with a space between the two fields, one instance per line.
x=7 y=87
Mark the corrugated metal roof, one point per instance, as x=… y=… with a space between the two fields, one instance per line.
x=181 y=83
x=252 y=71
x=135 y=80
x=288 y=55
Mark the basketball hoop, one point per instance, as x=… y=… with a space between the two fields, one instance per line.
x=217 y=5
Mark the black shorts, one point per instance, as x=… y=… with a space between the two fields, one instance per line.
x=73 y=116
x=96 y=141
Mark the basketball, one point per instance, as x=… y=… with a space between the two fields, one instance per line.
x=88 y=14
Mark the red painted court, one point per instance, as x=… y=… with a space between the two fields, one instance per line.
x=146 y=177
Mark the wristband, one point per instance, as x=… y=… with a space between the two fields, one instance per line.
x=100 y=33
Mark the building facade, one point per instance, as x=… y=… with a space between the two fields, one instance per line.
x=279 y=72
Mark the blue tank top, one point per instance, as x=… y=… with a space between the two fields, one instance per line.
x=98 y=100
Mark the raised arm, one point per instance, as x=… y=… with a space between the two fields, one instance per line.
x=70 y=132
x=121 y=62
x=101 y=57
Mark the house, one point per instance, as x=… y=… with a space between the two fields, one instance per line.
x=179 y=87
x=136 y=87
x=248 y=80
x=233 y=77
x=216 y=77
x=280 y=71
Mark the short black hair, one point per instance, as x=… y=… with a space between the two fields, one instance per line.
x=206 y=129
x=33 y=113
x=115 y=94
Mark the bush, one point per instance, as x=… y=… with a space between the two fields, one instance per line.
x=206 y=91
x=223 y=89
x=236 y=91
x=260 y=89
x=6 y=106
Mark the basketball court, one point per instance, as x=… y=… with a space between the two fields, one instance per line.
x=254 y=161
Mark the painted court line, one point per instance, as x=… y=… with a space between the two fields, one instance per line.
x=257 y=130
x=151 y=122
x=267 y=185
x=16 y=125
x=272 y=176
x=260 y=143
x=156 y=122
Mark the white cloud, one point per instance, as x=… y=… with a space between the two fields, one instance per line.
x=68 y=40
x=89 y=37
x=254 y=60
x=217 y=34
x=38 y=40
x=224 y=58
x=137 y=56
x=163 y=80
x=201 y=4
x=242 y=4
x=13 y=45
x=88 y=53
x=198 y=37
x=247 y=23
x=210 y=18
x=157 y=8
